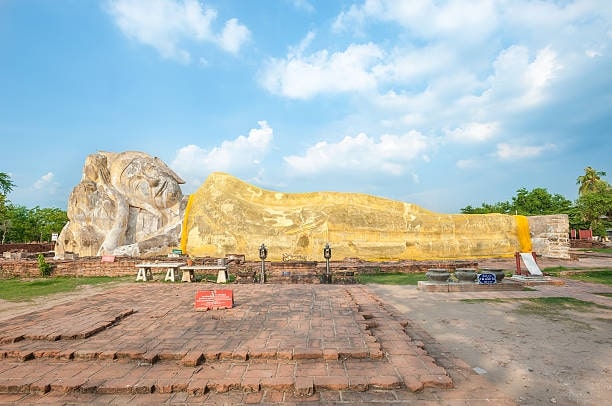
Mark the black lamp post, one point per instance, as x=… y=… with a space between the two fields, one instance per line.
x=263 y=253
x=327 y=256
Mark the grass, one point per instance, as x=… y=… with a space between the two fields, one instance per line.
x=554 y=302
x=603 y=276
x=392 y=278
x=20 y=290
x=558 y=303
x=213 y=278
x=556 y=308
x=544 y=305
x=473 y=301
x=602 y=250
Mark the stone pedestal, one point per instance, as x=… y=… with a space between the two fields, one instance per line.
x=438 y=275
x=466 y=275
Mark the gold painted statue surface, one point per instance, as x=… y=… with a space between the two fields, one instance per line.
x=226 y=215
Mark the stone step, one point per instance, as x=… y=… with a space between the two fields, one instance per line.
x=23 y=352
x=300 y=378
x=294 y=339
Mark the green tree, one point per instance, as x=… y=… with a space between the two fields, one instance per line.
x=537 y=202
x=47 y=221
x=594 y=207
x=589 y=181
x=20 y=224
x=500 y=207
x=5 y=225
x=26 y=225
x=6 y=184
x=19 y=229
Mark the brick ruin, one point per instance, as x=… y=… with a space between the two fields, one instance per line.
x=244 y=272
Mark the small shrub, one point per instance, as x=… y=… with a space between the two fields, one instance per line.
x=44 y=267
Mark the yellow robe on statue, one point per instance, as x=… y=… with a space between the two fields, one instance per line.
x=227 y=216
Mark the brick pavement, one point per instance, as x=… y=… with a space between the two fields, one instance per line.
x=145 y=344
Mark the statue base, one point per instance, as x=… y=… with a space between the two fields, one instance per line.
x=427 y=286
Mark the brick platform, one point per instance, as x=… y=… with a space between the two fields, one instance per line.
x=145 y=343
x=506 y=284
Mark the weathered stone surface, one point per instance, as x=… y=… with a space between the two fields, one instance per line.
x=130 y=203
x=550 y=235
x=127 y=203
x=227 y=215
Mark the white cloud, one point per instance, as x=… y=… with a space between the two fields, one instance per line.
x=539 y=74
x=304 y=5
x=591 y=53
x=419 y=82
x=518 y=82
x=46 y=183
x=473 y=132
x=170 y=25
x=239 y=156
x=467 y=164
x=303 y=45
x=508 y=152
x=405 y=65
x=390 y=154
x=233 y=36
x=415 y=178
x=435 y=69
x=428 y=19
x=302 y=77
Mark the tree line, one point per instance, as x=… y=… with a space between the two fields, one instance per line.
x=592 y=210
x=18 y=224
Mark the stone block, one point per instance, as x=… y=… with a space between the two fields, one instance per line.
x=304 y=386
x=192 y=359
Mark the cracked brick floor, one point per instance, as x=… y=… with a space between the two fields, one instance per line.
x=145 y=343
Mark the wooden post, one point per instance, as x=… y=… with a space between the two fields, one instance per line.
x=517 y=257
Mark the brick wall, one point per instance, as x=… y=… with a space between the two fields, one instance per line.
x=281 y=272
x=587 y=244
x=29 y=247
x=28 y=268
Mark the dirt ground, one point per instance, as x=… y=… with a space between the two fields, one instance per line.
x=536 y=356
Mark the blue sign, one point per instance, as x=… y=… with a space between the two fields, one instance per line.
x=487 y=278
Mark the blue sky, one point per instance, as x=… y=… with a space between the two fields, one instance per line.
x=440 y=103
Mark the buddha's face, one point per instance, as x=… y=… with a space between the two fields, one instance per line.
x=151 y=183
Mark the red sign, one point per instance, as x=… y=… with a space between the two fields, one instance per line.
x=214 y=299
